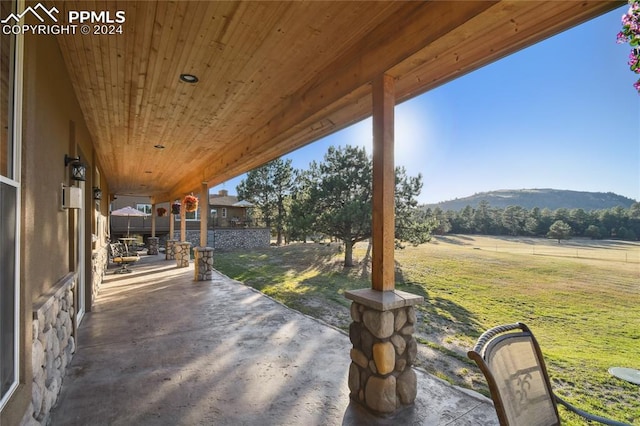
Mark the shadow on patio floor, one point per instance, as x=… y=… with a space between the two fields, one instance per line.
x=161 y=349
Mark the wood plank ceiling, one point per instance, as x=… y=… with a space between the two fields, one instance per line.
x=273 y=76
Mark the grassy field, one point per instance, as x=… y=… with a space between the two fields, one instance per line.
x=580 y=298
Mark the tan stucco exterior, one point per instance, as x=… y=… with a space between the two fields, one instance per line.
x=53 y=126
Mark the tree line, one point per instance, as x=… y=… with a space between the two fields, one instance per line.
x=616 y=222
x=333 y=198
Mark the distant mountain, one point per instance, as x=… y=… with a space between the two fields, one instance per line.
x=544 y=198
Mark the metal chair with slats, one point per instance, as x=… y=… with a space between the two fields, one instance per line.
x=511 y=361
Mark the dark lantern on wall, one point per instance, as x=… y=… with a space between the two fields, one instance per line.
x=78 y=170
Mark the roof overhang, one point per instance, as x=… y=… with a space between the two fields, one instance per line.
x=273 y=76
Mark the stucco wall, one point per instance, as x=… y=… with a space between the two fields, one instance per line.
x=53 y=126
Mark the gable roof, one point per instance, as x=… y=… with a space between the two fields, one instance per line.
x=224 y=201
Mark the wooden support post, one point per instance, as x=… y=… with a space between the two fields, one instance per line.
x=183 y=222
x=383 y=232
x=204 y=213
x=153 y=219
x=172 y=223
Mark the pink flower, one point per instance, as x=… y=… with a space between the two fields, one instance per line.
x=622 y=38
x=631 y=34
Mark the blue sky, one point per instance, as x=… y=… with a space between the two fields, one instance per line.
x=561 y=114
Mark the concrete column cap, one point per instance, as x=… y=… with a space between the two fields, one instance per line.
x=383 y=300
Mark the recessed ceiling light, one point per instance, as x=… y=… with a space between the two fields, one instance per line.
x=159 y=146
x=188 y=78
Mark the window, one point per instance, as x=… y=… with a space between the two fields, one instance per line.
x=10 y=107
x=7 y=56
x=144 y=208
x=224 y=212
x=189 y=216
x=8 y=293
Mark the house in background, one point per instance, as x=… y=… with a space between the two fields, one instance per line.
x=229 y=225
x=138 y=226
x=227 y=211
x=86 y=117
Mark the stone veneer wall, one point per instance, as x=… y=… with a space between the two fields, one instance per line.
x=169 y=252
x=182 y=254
x=99 y=263
x=203 y=270
x=384 y=349
x=53 y=347
x=152 y=245
x=230 y=238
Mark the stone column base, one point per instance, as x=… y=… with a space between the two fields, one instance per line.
x=182 y=253
x=380 y=375
x=169 y=250
x=203 y=263
x=152 y=245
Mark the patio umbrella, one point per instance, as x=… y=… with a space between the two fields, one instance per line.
x=128 y=212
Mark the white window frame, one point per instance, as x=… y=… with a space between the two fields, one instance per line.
x=144 y=208
x=195 y=218
x=14 y=181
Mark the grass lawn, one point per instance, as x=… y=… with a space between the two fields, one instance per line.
x=580 y=298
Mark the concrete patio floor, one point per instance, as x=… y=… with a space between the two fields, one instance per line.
x=162 y=349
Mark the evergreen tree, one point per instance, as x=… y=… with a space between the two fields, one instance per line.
x=341 y=196
x=410 y=224
x=634 y=220
x=513 y=219
x=301 y=218
x=481 y=218
x=340 y=192
x=593 y=232
x=559 y=230
x=267 y=187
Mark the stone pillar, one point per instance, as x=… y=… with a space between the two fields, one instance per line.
x=152 y=244
x=380 y=374
x=203 y=263
x=182 y=253
x=169 y=250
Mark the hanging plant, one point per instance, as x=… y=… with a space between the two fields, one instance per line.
x=631 y=34
x=161 y=211
x=190 y=203
x=175 y=208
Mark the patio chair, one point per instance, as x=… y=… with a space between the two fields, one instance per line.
x=120 y=257
x=511 y=361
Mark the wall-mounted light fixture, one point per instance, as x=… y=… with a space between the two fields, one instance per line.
x=78 y=170
x=97 y=193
